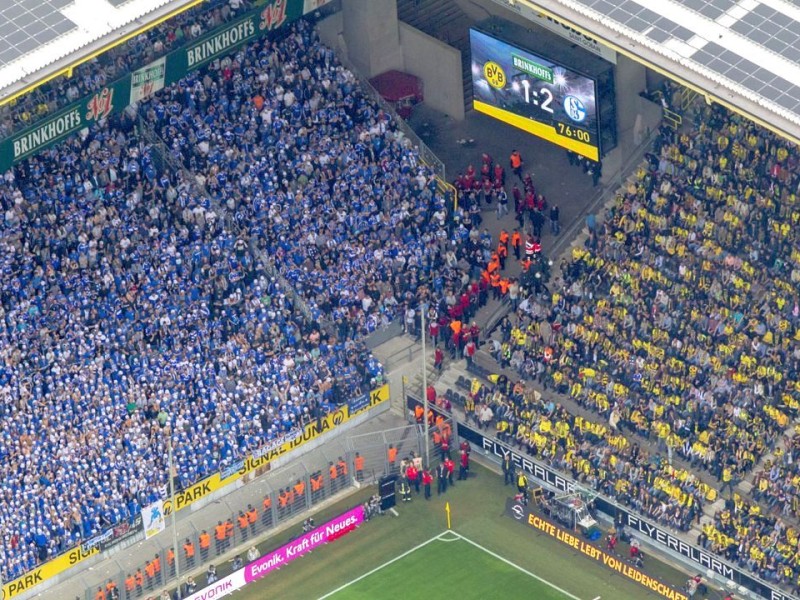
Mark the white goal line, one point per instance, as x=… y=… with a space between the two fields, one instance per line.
x=447 y=536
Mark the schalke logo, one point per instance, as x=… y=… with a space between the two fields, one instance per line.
x=574 y=108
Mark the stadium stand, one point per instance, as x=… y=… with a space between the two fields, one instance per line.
x=678 y=320
x=131 y=304
x=105 y=68
x=594 y=452
x=286 y=158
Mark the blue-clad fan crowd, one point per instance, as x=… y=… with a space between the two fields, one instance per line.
x=224 y=305
x=132 y=301
x=101 y=70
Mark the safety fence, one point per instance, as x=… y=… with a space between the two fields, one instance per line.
x=269 y=501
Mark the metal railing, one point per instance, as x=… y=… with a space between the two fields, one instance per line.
x=426 y=155
x=308 y=483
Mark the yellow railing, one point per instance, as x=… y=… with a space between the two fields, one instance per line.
x=672 y=118
x=687 y=98
x=443 y=187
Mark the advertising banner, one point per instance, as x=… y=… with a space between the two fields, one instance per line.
x=330 y=531
x=47 y=570
x=148 y=80
x=524 y=515
x=229 y=37
x=153 y=519
x=310 y=5
x=73 y=118
x=144 y=82
x=359 y=403
x=111 y=537
x=555 y=481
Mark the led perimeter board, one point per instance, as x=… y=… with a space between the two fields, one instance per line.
x=535 y=94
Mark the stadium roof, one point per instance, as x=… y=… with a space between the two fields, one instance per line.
x=40 y=39
x=744 y=54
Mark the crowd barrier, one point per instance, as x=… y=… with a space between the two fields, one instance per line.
x=329 y=532
x=359 y=459
x=265 y=504
x=219 y=484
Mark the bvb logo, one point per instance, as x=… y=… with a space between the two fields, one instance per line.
x=494 y=74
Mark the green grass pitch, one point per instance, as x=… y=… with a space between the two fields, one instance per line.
x=449 y=564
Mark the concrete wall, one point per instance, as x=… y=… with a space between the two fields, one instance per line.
x=371 y=35
x=331 y=32
x=439 y=67
x=635 y=115
x=433 y=61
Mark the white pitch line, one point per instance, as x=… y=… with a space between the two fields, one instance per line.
x=378 y=568
x=441 y=538
x=516 y=566
x=598 y=598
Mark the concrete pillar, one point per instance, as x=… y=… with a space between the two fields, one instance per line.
x=372 y=36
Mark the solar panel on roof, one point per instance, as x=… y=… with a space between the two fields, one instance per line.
x=624 y=10
x=791 y=53
x=765 y=11
x=712 y=10
x=12 y=11
x=658 y=35
x=757 y=31
x=764 y=75
x=787 y=35
x=682 y=33
x=759 y=36
x=752 y=19
x=63 y=27
x=788 y=101
x=637 y=24
x=775 y=45
x=751 y=83
x=27 y=24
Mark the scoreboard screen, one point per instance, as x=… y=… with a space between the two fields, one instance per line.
x=535 y=94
